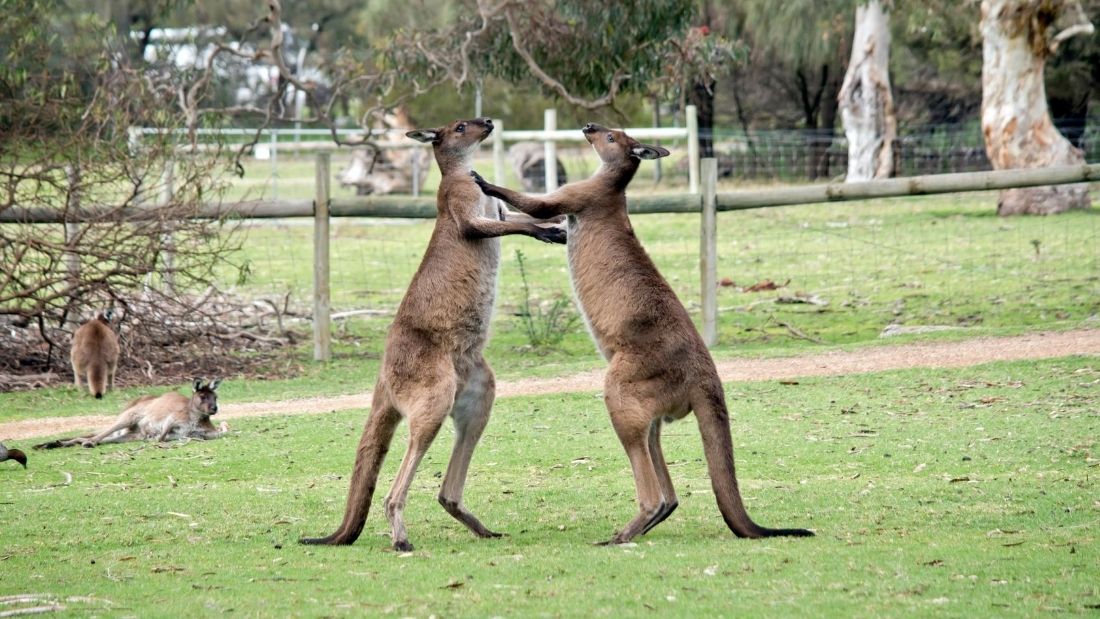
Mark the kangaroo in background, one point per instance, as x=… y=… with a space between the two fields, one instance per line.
x=432 y=365
x=94 y=354
x=164 y=417
x=658 y=367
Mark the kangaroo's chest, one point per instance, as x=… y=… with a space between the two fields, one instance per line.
x=453 y=292
x=587 y=279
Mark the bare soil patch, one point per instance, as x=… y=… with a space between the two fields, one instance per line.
x=834 y=363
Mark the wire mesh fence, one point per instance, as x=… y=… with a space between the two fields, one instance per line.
x=835 y=273
x=828 y=273
x=798 y=155
x=862 y=270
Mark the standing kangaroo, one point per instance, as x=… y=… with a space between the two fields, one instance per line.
x=432 y=365
x=94 y=355
x=163 y=417
x=659 y=369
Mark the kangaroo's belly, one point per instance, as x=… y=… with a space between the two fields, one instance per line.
x=627 y=305
x=450 y=301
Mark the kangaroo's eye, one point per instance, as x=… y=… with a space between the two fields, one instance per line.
x=610 y=138
x=461 y=128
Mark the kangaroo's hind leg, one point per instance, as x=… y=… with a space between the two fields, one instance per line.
x=373 y=446
x=664 y=479
x=127 y=420
x=425 y=405
x=472 y=408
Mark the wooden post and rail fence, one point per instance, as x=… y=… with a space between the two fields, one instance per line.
x=708 y=203
x=394 y=139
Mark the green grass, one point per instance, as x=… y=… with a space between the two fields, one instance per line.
x=942 y=261
x=967 y=492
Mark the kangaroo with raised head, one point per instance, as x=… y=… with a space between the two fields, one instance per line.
x=164 y=417
x=658 y=367
x=94 y=355
x=432 y=365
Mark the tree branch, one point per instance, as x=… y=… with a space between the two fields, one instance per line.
x=541 y=75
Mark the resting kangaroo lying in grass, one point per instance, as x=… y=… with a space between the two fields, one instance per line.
x=164 y=417
x=432 y=366
x=659 y=369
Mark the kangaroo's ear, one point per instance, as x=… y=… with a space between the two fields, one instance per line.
x=197 y=384
x=214 y=384
x=645 y=151
x=427 y=136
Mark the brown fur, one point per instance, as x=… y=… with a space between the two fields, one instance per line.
x=12 y=454
x=165 y=417
x=94 y=355
x=432 y=365
x=659 y=369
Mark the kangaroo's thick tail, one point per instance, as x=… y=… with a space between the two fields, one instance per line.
x=97 y=379
x=714 y=424
x=373 y=446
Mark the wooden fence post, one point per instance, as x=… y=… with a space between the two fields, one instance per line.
x=72 y=258
x=708 y=251
x=321 y=299
x=167 y=194
x=656 y=125
x=693 y=148
x=72 y=234
x=550 y=152
x=498 y=152
x=274 y=163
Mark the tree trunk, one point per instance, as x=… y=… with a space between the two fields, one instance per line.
x=811 y=106
x=1017 y=38
x=819 y=109
x=866 y=104
x=827 y=132
x=702 y=96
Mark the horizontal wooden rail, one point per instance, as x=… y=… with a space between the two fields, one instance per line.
x=390 y=207
x=424 y=207
x=514 y=135
x=909 y=186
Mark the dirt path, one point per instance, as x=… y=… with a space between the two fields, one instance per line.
x=915 y=355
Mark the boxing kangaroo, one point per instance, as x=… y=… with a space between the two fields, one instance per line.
x=432 y=365
x=165 y=417
x=94 y=355
x=658 y=367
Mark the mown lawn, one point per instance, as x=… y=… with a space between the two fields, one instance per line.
x=968 y=492
x=945 y=262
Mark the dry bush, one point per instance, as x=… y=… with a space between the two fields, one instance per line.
x=91 y=216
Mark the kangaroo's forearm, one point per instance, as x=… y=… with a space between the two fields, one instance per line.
x=521 y=217
x=537 y=207
x=484 y=228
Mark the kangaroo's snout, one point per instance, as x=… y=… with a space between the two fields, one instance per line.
x=590 y=127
